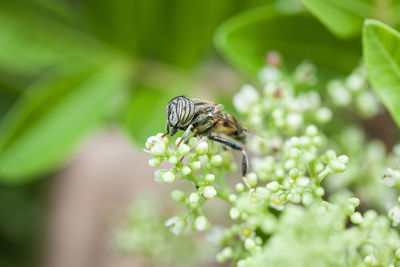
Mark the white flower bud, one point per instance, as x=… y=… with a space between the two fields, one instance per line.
x=232 y=198
x=273 y=186
x=245 y=98
x=319 y=191
x=154 y=162
x=186 y=170
x=249 y=243
x=343 y=159
x=355 y=82
x=209 y=192
x=239 y=187
x=155 y=145
x=216 y=160
x=356 y=218
x=294 y=153
x=323 y=115
x=316 y=140
x=311 y=131
x=337 y=166
x=294 y=173
x=209 y=178
x=201 y=148
x=183 y=149
x=354 y=201
x=294 y=120
x=178 y=195
x=196 y=165
x=394 y=215
x=201 y=223
x=173 y=160
x=252 y=179
x=234 y=213
x=307 y=199
x=194 y=197
x=168 y=177
x=176 y=224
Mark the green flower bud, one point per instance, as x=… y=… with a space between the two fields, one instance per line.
x=319 y=191
x=178 y=195
x=252 y=179
x=239 y=187
x=294 y=173
x=155 y=162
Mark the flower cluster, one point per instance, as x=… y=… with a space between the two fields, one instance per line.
x=294 y=207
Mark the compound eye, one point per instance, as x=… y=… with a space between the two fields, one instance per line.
x=172 y=117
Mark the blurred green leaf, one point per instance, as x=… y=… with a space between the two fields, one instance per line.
x=51 y=116
x=246 y=38
x=381 y=47
x=345 y=17
x=342 y=17
x=32 y=42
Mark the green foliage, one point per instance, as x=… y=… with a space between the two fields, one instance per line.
x=345 y=18
x=246 y=38
x=51 y=116
x=381 y=46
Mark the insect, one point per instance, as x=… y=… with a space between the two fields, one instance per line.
x=205 y=118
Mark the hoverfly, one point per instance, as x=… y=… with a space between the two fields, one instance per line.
x=204 y=118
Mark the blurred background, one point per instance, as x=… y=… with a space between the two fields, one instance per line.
x=83 y=83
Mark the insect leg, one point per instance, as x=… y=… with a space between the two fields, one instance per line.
x=167 y=128
x=185 y=134
x=233 y=145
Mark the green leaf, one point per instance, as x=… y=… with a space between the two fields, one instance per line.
x=381 y=48
x=345 y=17
x=246 y=38
x=51 y=116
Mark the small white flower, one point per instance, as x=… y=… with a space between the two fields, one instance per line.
x=394 y=215
x=176 y=224
x=245 y=98
x=168 y=177
x=209 y=192
x=311 y=131
x=234 y=213
x=155 y=145
x=232 y=198
x=252 y=179
x=239 y=187
x=201 y=223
